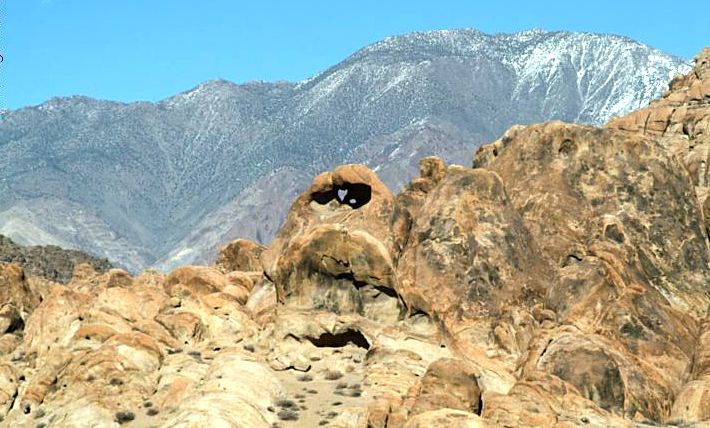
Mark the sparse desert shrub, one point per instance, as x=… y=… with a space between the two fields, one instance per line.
x=287 y=415
x=286 y=404
x=124 y=417
x=333 y=375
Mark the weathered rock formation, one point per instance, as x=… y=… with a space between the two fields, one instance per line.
x=48 y=261
x=562 y=281
x=680 y=121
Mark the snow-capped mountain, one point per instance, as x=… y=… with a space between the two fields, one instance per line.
x=165 y=183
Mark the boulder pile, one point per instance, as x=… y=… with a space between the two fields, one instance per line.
x=562 y=280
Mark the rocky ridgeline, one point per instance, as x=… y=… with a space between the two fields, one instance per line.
x=680 y=120
x=49 y=261
x=563 y=281
x=256 y=146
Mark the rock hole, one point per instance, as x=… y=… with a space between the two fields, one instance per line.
x=16 y=325
x=613 y=232
x=567 y=148
x=571 y=259
x=327 y=340
x=353 y=194
x=688 y=129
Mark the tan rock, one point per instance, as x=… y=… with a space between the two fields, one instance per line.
x=195 y=281
x=8 y=386
x=614 y=277
x=186 y=327
x=446 y=418
x=338 y=247
x=15 y=292
x=469 y=255
x=240 y=255
x=448 y=384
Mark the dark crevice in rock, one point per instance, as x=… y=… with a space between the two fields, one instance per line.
x=327 y=340
x=570 y=259
x=348 y=276
x=16 y=325
x=268 y=278
x=353 y=194
x=544 y=351
x=387 y=291
x=479 y=408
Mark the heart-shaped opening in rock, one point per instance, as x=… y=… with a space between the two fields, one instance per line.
x=352 y=194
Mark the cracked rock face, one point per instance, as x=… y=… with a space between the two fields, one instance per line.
x=630 y=267
x=680 y=121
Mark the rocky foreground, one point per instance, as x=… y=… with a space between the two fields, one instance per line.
x=563 y=281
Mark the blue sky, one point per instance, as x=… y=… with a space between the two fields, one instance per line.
x=132 y=50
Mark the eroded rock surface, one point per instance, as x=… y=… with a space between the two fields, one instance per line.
x=562 y=281
x=338 y=248
x=240 y=255
x=680 y=121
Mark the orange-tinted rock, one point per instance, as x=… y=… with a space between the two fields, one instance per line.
x=195 y=280
x=446 y=418
x=448 y=384
x=628 y=273
x=680 y=119
x=18 y=300
x=339 y=245
x=240 y=255
x=469 y=256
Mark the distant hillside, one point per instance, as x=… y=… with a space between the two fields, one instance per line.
x=165 y=183
x=48 y=261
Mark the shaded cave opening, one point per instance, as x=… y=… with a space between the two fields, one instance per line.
x=339 y=340
x=353 y=194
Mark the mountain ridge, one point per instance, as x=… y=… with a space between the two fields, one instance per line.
x=150 y=177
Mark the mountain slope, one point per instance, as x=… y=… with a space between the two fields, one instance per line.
x=163 y=183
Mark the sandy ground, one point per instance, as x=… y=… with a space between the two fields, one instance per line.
x=331 y=393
